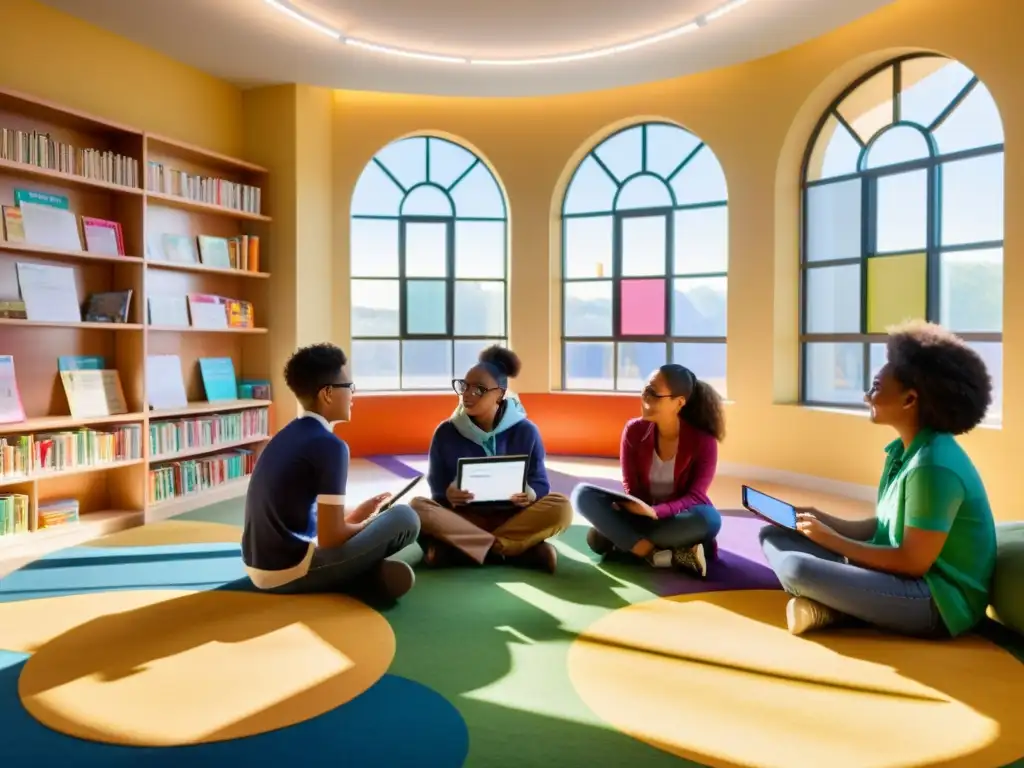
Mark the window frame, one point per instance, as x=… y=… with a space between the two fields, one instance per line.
x=869 y=177
x=618 y=216
x=450 y=279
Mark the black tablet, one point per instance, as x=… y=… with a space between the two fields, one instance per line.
x=769 y=508
x=398 y=496
x=492 y=479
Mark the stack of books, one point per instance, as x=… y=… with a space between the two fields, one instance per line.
x=58 y=512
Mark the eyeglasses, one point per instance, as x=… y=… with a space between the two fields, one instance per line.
x=650 y=394
x=349 y=385
x=477 y=390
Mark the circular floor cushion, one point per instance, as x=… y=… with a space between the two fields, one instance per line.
x=1008 y=584
x=170 y=532
x=717 y=679
x=167 y=668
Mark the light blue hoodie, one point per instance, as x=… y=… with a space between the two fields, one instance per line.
x=514 y=413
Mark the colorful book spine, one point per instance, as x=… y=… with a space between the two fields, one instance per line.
x=171 y=436
x=186 y=477
x=15 y=456
x=14 y=514
x=59 y=451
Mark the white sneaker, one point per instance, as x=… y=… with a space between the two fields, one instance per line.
x=806 y=615
x=660 y=558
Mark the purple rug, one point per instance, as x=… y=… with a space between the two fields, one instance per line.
x=740 y=563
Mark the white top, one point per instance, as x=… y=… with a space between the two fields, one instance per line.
x=662 y=479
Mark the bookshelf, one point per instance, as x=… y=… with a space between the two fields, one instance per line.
x=125 y=468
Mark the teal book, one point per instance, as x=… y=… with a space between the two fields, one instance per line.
x=81 y=363
x=218 y=378
x=40 y=198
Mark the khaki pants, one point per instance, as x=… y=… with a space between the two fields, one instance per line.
x=508 y=532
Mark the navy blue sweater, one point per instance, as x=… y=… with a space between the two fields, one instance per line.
x=513 y=435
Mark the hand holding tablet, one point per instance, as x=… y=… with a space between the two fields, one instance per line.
x=492 y=479
x=775 y=511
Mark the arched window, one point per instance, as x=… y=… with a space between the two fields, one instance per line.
x=902 y=219
x=644 y=260
x=429 y=262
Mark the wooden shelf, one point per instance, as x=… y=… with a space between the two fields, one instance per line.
x=201 y=269
x=204 y=449
x=176 y=201
x=193 y=329
x=89 y=526
x=178 y=506
x=82 y=325
x=52 y=423
x=115 y=495
x=192 y=153
x=57 y=474
x=202 y=407
x=34 y=171
x=53 y=253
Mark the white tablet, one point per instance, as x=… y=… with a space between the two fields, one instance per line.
x=492 y=479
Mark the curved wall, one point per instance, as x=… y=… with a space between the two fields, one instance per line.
x=757 y=117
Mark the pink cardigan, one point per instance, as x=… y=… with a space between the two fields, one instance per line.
x=696 y=462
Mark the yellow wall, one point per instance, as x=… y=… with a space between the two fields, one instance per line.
x=51 y=55
x=758 y=118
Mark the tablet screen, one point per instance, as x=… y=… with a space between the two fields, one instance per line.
x=493 y=480
x=770 y=508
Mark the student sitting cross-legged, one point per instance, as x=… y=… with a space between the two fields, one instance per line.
x=669 y=457
x=489 y=421
x=923 y=564
x=299 y=535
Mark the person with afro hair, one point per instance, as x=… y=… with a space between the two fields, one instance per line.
x=923 y=564
x=489 y=421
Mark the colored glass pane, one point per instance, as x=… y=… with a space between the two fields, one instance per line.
x=897 y=290
x=642 y=305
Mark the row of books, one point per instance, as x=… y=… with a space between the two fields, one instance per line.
x=44 y=151
x=200 y=310
x=241 y=252
x=167 y=437
x=23 y=455
x=46 y=220
x=184 y=478
x=14 y=513
x=203 y=189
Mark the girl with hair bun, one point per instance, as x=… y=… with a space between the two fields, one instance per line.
x=669 y=457
x=489 y=421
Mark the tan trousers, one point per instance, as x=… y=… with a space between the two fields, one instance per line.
x=507 y=532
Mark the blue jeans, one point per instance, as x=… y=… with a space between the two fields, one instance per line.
x=625 y=530
x=888 y=601
x=341 y=568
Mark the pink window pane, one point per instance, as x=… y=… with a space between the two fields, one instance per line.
x=643 y=307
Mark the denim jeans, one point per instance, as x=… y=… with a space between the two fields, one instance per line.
x=895 y=603
x=625 y=530
x=341 y=568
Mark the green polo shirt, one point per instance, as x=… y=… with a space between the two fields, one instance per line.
x=933 y=485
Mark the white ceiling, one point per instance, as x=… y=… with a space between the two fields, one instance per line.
x=250 y=43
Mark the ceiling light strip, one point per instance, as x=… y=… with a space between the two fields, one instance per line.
x=286 y=7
